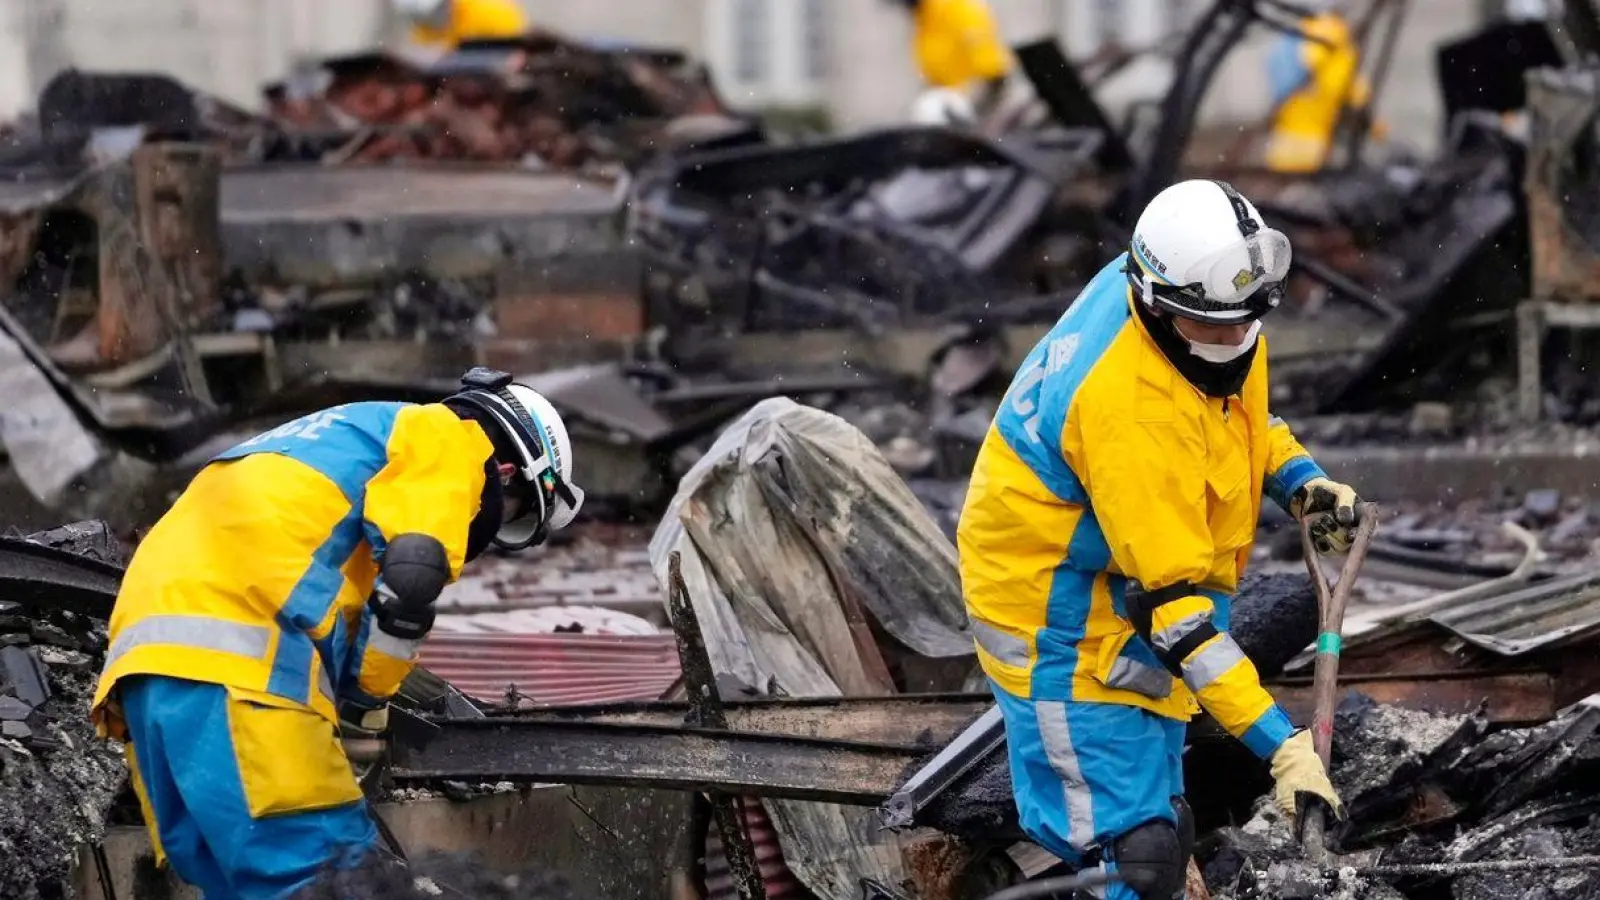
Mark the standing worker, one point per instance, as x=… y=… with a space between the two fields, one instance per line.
x=1314 y=79
x=443 y=24
x=1109 y=518
x=290 y=586
x=960 y=55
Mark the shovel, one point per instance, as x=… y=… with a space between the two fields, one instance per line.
x=1331 y=602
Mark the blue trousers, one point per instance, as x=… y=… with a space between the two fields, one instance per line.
x=186 y=759
x=1084 y=774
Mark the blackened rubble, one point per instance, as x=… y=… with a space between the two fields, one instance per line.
x=1421 y=788
x=57 y=780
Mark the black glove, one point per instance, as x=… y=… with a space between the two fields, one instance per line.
x=361 y=722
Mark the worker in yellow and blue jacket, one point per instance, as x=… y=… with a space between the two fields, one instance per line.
x=1314 y=76
x=444 y=24
x=960 y=54
x=290 y=587
x=1110 y=515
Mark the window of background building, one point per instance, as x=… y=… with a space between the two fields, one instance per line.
x=1178 y=14
x=750 y=31
x=814 y=24
x=1107 y=21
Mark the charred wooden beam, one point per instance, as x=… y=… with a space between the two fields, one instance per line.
x=924 y=721
x=534 y=751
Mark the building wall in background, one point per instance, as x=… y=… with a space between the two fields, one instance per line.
x=851 y=57
x=229 y=47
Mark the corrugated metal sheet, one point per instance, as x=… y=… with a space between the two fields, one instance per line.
x=555 y=669
x=775 y=874
x=1562 y=610
x=546 y=620
x=600 y=565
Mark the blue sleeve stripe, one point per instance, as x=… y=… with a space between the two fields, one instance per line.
x=1268 y=733
x=1291 y=477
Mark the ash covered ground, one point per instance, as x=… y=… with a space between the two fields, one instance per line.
x=1421 y=788
x=58 y=781
x=439 y=876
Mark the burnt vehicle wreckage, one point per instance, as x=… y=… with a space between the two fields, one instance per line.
x=181 y=271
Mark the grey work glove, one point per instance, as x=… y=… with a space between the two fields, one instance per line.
x=1333 y=512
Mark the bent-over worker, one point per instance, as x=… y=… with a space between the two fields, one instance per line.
x=1315 y=77
x=1110 y=515
x=959 y=50
x=444 y=24
x=291 y=585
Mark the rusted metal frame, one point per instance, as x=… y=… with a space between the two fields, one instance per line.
x=921 y=721
x=1512 y=699
x=705 y=710
x=680 y=758
x=1331 y=602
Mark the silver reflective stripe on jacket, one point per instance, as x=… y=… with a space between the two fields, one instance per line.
x=1129 y=674
x=1166 y=638
x=204 y=633
x=1002 y=645
x=393 y=647
x=199 y=632
x=1211 y=663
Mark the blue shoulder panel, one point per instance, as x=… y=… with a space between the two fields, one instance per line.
x=348 y=444
x=1286 y=68
x=1035 y=407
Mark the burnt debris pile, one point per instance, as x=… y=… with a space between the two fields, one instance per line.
x=58 y=781
x=893 y=227
x=458 y=875
x=1446 y=791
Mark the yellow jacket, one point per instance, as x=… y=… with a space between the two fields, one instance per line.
x=1311 y=82
x=258 y=577
x=1106 y=471
x=474 y=20
x=956 y=42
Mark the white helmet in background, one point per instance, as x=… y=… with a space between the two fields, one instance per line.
x=1201 y=252
x=544 y=470
x=943 y=106
x=432 y=13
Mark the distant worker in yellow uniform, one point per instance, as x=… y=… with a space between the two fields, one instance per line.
x=960 y=54
x=1111 y=513
x=444 y=24
x=290 y=588
x=1312 y=81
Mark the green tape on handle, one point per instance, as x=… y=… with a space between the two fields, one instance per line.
x=1329 y=643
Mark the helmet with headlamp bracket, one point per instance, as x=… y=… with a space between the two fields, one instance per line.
x=532 y=427
x=1200 y=251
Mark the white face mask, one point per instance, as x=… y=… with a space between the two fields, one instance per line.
x=1225 y=353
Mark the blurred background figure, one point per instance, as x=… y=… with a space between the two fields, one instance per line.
x=959 y=53
x=1314 y=79
x=440 y=25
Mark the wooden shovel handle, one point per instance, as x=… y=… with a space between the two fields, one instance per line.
x=1331 y=602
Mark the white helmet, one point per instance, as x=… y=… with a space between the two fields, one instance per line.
x=1201 y=251
x=427 y=11
x=943 y=106
x=544 y=470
